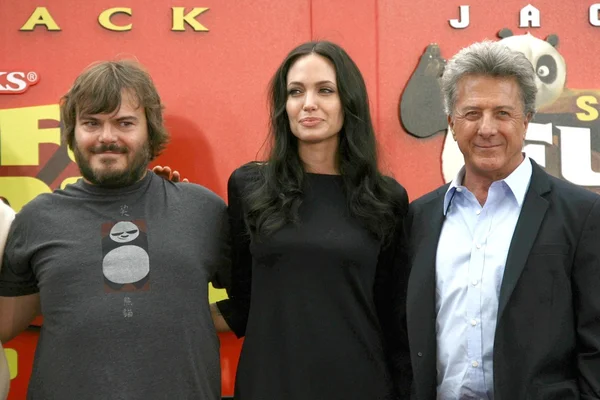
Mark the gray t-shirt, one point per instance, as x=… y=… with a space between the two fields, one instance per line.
x=123 y=280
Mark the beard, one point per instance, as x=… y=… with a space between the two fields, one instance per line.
x=113 y=178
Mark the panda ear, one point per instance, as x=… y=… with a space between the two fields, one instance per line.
x=553 y=40
x=504 y=33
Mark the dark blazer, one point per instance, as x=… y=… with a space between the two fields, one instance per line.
x=547 y=343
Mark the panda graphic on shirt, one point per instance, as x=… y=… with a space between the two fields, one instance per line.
x=125 y=259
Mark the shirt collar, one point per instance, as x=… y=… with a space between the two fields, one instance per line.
x=517 y=181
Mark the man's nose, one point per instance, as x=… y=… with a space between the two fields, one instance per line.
x=107 y=134
x=488 y=124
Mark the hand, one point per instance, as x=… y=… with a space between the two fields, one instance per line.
x=165 y=172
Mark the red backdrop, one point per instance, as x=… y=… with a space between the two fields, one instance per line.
x=214 y=83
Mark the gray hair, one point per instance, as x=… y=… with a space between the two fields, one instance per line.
x=492 y=59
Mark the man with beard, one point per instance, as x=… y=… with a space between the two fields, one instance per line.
x=131 y=321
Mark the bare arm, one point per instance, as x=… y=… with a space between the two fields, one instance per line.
x=218 y=320
x=4 y=375
x=16 y=313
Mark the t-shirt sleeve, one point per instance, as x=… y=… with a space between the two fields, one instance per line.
x=17 y=278
x=235 y=309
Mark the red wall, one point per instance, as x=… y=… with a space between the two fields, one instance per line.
x=214 y=83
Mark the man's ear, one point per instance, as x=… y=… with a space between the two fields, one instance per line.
x=451 y=125
x=528 y=119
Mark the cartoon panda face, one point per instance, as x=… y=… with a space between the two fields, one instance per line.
x=124 y=232
x=549 y=65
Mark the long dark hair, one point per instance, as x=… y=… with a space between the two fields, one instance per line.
x=273 y=199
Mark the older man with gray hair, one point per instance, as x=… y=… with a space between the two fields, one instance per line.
x=503 y=300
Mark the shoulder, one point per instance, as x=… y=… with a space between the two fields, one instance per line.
x=39 y=206
x=395 y=186
x=189 y=194
x=429 y=197
x=246 y=176
x=560 y=190
x=399 y=194
x=199 y=194
x=248 y=172
x=6 y=216
x=40 y=211
x=571 y=192
x=6 y=213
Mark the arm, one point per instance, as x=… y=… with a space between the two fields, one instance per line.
x=234 y=311
x=222 y=276
x=16 y=313
x=586 y=301
x=390 y=299
x=4 y=375
x=218 y=320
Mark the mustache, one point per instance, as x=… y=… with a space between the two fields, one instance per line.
x=113 y=147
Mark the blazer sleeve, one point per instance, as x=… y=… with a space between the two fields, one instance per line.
x=391 y=281
x=586 y=298
x=235 y=309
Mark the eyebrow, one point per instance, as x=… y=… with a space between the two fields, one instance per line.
x=318 y=83
x=127 y=118
x=503 y=107
x=120 y=119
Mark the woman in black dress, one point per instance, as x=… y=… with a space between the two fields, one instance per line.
x=317 y=282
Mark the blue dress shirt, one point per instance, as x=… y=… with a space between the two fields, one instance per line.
x=470 y=259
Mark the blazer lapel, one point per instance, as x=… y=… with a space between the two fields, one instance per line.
x=531 y=217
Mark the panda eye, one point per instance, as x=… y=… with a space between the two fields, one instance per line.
x=546 y=69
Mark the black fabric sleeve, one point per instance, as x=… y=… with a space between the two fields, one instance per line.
x=391 y=281
x=586 y=296
x=235 y=309
x=17 y=277
x=221 y=277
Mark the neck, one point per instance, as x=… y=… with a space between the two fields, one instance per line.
x=321 y=157
x=479 y=183
x=479 y=186
x=118 y=185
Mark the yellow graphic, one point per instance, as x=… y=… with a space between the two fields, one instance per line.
x=41 y=16
x=19 y=146
x=13 y=364
x=179 y=19
x=585 y=104
x=215 y=295
x=105 y=21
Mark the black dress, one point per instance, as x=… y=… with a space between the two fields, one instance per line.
x=321 y=294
